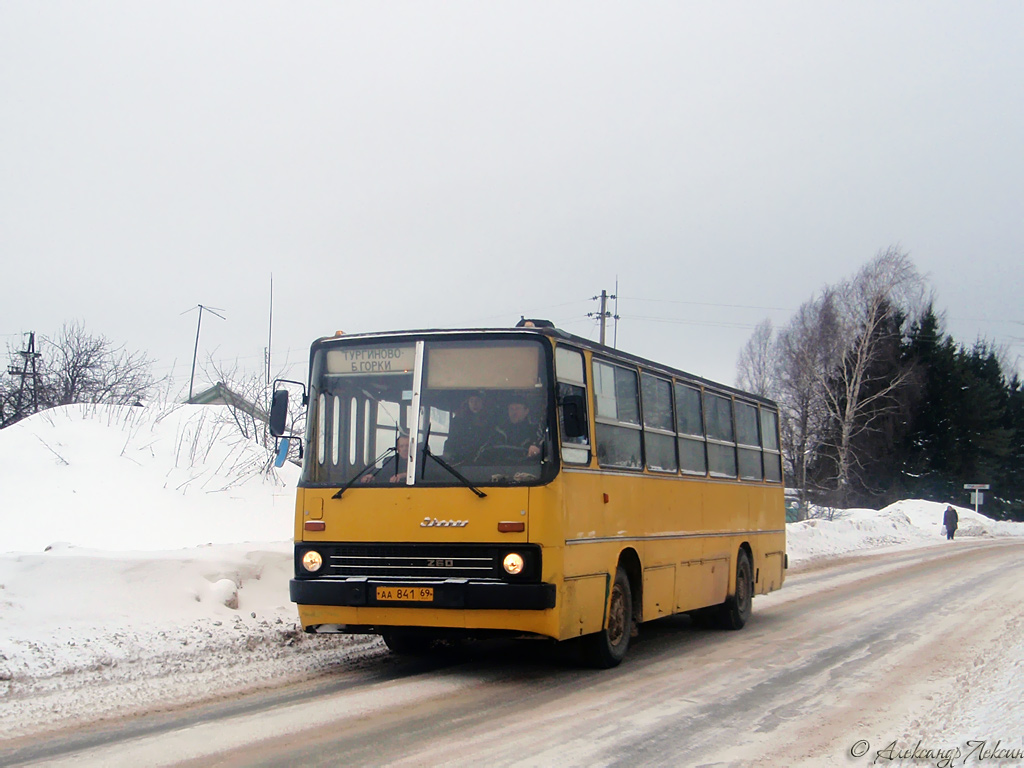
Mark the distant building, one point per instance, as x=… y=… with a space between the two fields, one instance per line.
x=221 y=394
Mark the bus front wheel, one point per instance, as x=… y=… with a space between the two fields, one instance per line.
x=734 y=612
x=605 y=649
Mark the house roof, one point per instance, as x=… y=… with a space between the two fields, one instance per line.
x=221 y=394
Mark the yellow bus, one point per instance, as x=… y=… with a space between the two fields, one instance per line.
x=530 y=482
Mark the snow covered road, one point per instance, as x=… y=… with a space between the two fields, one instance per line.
x=854 y=661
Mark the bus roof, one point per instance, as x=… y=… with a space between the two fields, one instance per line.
x=556 y=333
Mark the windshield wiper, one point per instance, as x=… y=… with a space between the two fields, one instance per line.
x=367 y=468
x=455 y=472
x=446 y=465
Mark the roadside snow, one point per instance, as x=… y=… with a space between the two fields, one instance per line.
x=124 y=478
x=122 y=583
x=124 y=586
x=904 y=525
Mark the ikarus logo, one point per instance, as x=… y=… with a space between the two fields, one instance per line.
x=433 y=522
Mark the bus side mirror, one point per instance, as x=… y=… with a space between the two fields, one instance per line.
x=278 y=412
x=282 y=453
x=574 y=416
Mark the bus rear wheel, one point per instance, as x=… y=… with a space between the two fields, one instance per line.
x=734 y=612
x=605 y=649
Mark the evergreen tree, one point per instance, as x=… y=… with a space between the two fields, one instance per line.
x=928 y=454
x=959 y=428
x=1011 y=482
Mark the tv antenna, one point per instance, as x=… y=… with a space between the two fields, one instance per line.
x=213 y=311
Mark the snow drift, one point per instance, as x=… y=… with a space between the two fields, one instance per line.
x=126 y=585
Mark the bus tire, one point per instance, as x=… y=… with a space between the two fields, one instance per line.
x=406 y=643
x=734 y=612
x=605 y=649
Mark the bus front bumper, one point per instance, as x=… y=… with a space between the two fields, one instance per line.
x=451 y=593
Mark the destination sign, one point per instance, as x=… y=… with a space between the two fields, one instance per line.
x=364 y=360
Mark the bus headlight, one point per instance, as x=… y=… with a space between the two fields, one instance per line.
x=312 y=561
x=513 y=563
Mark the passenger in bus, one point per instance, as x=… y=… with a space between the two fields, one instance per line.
x=394 y=468
x=518 y=438
x=471 y=427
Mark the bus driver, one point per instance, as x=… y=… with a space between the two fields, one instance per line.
x=520 y=435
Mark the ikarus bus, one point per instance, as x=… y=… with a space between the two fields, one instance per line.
x=527 y=482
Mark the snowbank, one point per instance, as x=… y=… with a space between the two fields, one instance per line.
x=150 y=599
x=905 y=524
x=130 y=478
x=123 y=584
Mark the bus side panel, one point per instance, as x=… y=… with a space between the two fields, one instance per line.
x=588 y=562
x=584 y=518
x=583 y=600
x=726 y=509
x=583 y=589
x=773 y=570
x=670 y=513
x=546 y=518
x=701 y=583
x=768 y=513
x=687 y=534
x=659 y=592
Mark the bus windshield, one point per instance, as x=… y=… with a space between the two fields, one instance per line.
x=482 y=408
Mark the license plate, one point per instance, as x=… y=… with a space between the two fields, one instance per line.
x=414 y=594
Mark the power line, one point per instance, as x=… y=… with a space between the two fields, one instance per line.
x=689 y=322
x=709 y=304
x=536 y=312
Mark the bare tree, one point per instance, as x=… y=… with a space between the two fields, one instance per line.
x=78 y=367
x=82 y=368
x=863 y=386
x=805 y=352
x=757 y=366
x=9 y=410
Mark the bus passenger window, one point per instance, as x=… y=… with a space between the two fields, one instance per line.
x=659 y=436
x=721 y=439
x=690 y=426
x=749 y=449
x=616 y=396
x=770 y=441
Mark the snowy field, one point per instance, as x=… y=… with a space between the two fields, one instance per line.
x=145 y=555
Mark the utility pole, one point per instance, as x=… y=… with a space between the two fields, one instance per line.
x=195 y=352
x=604 y=314
x=28 y=357
x=615 y=337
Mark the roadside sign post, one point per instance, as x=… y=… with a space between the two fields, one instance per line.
x=977 y=497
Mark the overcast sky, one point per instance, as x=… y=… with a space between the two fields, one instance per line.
x=428 y=164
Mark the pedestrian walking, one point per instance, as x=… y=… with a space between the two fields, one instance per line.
x=950 y=519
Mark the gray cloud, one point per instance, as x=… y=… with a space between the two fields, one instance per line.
x=439 y=164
